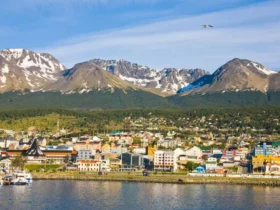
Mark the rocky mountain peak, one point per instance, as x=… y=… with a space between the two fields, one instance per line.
x=235 y=75
x=168 y=80
x=37 y=69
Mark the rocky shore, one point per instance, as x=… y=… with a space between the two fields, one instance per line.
x=170 y=179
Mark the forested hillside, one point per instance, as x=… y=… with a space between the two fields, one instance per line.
x=247 y=119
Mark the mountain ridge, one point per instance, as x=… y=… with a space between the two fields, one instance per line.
x=235 y=75
x=27 y=76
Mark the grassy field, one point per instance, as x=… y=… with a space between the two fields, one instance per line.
x=34 y=167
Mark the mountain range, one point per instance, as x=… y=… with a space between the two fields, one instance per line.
x=30 y=79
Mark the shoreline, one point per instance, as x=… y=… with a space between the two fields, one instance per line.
x=170 y=179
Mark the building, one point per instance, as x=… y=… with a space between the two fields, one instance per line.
x=211 y=164
x=141 y=151
x=263 y=163
x=93 y=165
x=84 y=154
x=264 y=148
x=53 y=154
x=117 y=149
x=166 y=160
x=34 y=154
x=121 y=138
x=8 y=142
x=150 y=151
x=133 y=161
x=167 y=143
x=106 y=148
x=115 y=164
x=194 y=153
x=88 y=145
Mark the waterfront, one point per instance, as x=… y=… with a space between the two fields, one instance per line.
x=124 y=195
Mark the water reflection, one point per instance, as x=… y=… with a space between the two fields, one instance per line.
x=124 y=195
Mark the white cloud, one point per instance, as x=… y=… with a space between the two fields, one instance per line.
x=249 y=32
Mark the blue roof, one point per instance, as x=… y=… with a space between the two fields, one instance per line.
x=217 y=155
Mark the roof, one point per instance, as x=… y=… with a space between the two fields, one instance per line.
x=34 y=149
x=88 y=161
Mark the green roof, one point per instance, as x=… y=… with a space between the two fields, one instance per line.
x=276 y=143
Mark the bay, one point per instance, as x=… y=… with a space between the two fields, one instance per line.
x=126 y=195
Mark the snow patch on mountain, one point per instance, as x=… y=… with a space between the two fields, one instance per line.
x=38 y=69
x=263 y=70
x=190 y=87
x=5 y=69
x=168 y=80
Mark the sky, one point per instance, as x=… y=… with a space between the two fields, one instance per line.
x=155 y=33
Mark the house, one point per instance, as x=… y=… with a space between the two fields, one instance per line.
x=272 y=168
x=211 y=164
x=121 y=138
x=194 y=153
x=106 y=148
x=117 y=149
x=42 y=141
x=167 y=143
x=6 y=142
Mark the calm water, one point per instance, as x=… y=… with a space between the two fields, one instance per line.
x=120 y=195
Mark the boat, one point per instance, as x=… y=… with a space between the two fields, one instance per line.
x=18 y=178
x=21 y=178
x=7 y=180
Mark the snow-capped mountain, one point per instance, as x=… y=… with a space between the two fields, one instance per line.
x=236 y=75
x=27 y=69
x=168 y=80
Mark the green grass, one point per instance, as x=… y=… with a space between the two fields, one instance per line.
x=34 y=167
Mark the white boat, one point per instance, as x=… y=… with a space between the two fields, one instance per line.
x=21 y=178
x=18 y=178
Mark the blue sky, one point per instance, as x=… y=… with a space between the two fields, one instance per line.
x=156 y=33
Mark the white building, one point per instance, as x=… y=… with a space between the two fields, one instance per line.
x=166 y=160
x=167 y=143
x=211 y=164
x=84 y=154
x=7 y=142
x=139 y=151
x=194 y=153
x=93 y=165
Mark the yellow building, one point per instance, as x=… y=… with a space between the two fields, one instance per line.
x=150 y=150
x=260 y=161
x=106 y=148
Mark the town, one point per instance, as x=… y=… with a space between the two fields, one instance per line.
x=194 y=150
